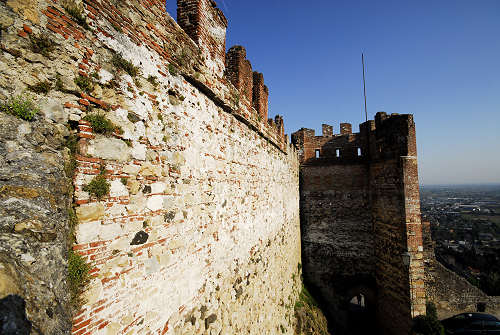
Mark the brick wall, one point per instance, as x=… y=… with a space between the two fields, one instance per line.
x=361 y=212
x=206 y=25
x=200 y=230
x=260 y=95
x=239 y=72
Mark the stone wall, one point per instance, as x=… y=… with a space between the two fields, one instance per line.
x=34 y=225
x=361 y=212
x=337 y=239
x=200 y=230
x=451 y=293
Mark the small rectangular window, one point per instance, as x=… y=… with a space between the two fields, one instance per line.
x=337 y=153
x=359 y=151
x=317 y=153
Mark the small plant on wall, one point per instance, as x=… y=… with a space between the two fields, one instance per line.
x=428 y=324
x=77 y=15
x=78 y=277
x=121 y=63
x=42 y=44
x=98 y=187
x=100 y=124
x=21 y=106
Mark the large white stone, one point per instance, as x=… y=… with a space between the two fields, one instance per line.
x=155 y=202
x=90 y=212
x=109 y=148
x=93 y=291
x=139 y=151
x=110 y=231
x=137 y=203
x=118 y=189
x=53 y=110
x=87 y=232
x=158 y=187
x=131 y=169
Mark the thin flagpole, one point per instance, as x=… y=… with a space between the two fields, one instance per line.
x=364 y=85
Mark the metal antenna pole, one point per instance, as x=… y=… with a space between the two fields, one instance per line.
x=364 y=85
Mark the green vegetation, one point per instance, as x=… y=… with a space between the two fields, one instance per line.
x=121 y=63
x=305 y=298
x=308 y=315
x=59 y=84
x=21 y=106
x=172 y=69
x=42 y=87
x=84 y=83
x=123 y=181
x=153 y=80
x=78 y=277
x=95 y=75
x=137 y=83
x=42 y=44
x=72 y=145
x=100 y=124
x=428 y=324
x=73 y=222
x=98 y=187
x=77 y=15
x=132 y=117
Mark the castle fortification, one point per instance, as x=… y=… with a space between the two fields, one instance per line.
x=199 y=232
x=152 y=157
x=360 y=213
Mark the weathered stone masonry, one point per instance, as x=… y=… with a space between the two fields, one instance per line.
x=451 y=293
x=200 y=231
x=360 y=213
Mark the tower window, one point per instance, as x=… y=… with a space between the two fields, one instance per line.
x=337 y=153
x=317 y=153
x=359 y=151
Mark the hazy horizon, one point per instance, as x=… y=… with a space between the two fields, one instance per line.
x=435 y=60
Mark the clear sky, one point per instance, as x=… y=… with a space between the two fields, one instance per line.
x=438 y=60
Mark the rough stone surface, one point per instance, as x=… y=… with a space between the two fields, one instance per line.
x=13 y=316
x=34 y=221
x=451 y=293
x=210 y=182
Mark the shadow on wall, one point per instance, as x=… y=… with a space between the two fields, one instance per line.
x=13 y=319
x=354 y=311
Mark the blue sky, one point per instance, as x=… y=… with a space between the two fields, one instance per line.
x=438 y=60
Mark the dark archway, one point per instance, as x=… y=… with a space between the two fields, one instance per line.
x=361 y=307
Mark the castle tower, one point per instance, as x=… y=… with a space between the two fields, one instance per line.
x=361 y=215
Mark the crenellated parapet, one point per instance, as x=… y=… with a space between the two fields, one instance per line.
x=260 y=95
x=388 y=136
x=206 y=25
x=240 y=74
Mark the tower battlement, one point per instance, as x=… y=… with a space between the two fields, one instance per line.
x=385 y=137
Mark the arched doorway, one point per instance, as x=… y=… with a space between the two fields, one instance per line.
x=360 y=306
